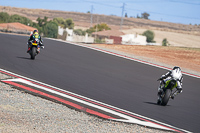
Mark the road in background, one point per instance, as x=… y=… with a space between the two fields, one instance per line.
x=106 y=78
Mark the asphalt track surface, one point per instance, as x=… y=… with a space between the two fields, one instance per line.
x=106 y=78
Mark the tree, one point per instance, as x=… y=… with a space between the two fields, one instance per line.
x=51 y=29
x=20 y=19
x=138 y=16
x=145 y=15
x=69 y=23
x=90 y=30
x=42 y=22
x=150 y=35
x=126 y=15
x=60 y=21
x=45 y=19
x=39 y=21
x=101 y=27
x=4 y=17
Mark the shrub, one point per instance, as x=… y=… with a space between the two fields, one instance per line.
x=150 y=35
x=165 y=42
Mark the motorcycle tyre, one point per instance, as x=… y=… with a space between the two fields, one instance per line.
x=33 y=53
x=166 y=97
x=158 y=102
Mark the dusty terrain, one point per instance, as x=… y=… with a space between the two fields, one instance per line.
x=187 y=58
x=174 y=39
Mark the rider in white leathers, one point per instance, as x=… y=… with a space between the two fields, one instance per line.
x=176 y=74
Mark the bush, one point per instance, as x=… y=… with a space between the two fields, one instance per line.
x=99 y=41
x=79 y=32
x=150 y=35
x=165 y=42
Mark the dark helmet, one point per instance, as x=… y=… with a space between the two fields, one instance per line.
x=176 y=67
x=35 y=31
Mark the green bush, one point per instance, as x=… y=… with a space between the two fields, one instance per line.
x=79 y=32
x=150 y=35
x=165 y=42
x=98 y=27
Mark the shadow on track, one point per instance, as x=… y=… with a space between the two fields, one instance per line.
x=24 y=58
x=154 y=103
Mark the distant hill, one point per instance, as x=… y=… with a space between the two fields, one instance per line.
x=83 y=19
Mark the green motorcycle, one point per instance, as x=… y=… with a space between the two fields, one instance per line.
x=167 y=92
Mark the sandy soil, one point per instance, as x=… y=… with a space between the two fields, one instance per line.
x=174 y=39
x=187 y=58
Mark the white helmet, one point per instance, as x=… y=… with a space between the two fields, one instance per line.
x=176 y=73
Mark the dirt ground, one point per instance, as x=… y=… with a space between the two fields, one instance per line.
x=187 y=58
x=174 y=39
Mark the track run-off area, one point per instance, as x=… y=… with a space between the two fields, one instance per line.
x=102 y=83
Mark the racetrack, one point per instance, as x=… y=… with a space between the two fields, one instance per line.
x=107 y=78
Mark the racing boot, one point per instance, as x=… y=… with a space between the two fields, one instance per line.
x=160 y=90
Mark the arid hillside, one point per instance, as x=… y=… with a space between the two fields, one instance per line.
x=83 y=19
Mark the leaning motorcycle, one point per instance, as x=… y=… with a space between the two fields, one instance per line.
x=34 y=48
x=167 y=91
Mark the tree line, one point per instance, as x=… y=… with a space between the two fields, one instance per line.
x=50 y=28
x=45 y=27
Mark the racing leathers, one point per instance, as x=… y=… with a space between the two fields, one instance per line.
x=32 y=38
x=168 y=76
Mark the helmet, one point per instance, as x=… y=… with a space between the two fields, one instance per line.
x=176 y=67
x=176 y=73
x=35 y=31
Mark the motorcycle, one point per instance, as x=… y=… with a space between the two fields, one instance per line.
x=167 y=91
x=34 y=48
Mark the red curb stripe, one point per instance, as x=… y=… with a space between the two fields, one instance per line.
x=61 y=100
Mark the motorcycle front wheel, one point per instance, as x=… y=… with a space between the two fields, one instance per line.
x=166 y=97
x=33 y=53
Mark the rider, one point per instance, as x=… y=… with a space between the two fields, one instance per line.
x=174 y=73
x=32 y=37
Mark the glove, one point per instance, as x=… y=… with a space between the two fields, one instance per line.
x=160 y=79
x=42 y=47
x=180 y=90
